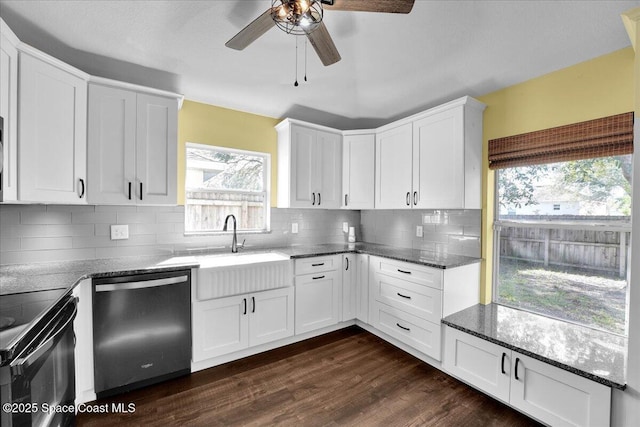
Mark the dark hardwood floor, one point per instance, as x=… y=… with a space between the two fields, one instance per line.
x=346 y=378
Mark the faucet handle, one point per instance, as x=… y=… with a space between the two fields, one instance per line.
x=241 y=245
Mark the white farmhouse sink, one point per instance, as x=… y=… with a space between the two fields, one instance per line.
x=242 y=273
x=213 y=261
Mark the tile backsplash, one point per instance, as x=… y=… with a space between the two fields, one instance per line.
x=43 y=233
x=450 y=231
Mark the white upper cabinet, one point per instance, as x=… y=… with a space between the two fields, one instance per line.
x=432 y=160
x=132 y=146
x=53 y=131
x=358 y=170
x=9 y=113
x=393 y=168
x=309 y=166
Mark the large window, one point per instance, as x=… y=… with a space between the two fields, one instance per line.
x=561 y=235
x=222 y=181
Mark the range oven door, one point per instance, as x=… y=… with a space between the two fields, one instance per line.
x=42 y=385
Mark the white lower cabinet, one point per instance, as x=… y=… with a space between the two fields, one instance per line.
x=227 y=325
x=349 y=287
x=551 y=395
x=318 y=294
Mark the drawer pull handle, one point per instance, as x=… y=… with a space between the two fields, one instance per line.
x=319 y=277
x=517 y=362
x=502 y=363
x=404 y=296
x=317 y=265
x=404 y=271
x=402 y=327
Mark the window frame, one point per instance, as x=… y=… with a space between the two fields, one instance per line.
x=266 y=189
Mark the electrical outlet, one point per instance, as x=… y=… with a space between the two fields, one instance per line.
x=294 y=227
x=419 y=231
x=345 y=227
x=119 y=232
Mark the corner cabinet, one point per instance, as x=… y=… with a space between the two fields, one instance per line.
x=542 y=391
x=432 y=159
x=132 y=143
x=52 y=124
x=309 y=165
x=358 y=169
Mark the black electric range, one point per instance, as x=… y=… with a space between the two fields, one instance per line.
x=19 y=315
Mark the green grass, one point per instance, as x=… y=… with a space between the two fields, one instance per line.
x=590 y=299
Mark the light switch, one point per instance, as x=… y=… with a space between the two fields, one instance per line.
x=294 y=227
x=418 y=231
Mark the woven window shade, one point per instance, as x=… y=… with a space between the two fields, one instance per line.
x=608 y=136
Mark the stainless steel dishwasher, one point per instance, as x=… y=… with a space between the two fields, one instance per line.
x=141 y=330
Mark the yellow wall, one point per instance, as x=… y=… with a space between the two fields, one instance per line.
x=597 y=88
x=208 y=124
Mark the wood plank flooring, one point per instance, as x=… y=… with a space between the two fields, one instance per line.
x=346 y=378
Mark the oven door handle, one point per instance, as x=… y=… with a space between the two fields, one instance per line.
x=18 y=366
x=127 y=286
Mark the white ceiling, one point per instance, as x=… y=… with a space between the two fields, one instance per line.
x=392 y=65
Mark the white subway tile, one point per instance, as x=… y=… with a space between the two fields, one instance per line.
x=70 y=230
x=117 y=209
x=45 y=243
x=43 y=217
x=9 y=244
x=93 y=218
x=93 y=242
x=175 y=217
x=71 y=208
x=28 y=257
x=135 y=217
x=9 y=217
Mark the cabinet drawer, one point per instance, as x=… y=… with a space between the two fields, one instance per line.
x=317 y=264
x=413 y=298
x=418 y=333
x=427 y=276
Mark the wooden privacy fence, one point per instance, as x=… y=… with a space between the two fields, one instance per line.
x=206 y=210
x=592 y=245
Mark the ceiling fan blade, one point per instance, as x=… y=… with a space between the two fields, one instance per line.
x=252 y=32
x=386 y=6
x=323 y=45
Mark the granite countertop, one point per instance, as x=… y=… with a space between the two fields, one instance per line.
x=61 y=275
x=416 y=256
x=593 y=354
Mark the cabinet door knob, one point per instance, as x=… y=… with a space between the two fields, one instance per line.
x=81 y=188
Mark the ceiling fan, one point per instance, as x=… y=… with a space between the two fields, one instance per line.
x=304 y=17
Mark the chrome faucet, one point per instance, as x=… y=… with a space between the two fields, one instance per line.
x=234 y=243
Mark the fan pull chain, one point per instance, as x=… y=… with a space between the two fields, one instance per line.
x=296 y=82
x=305 y=59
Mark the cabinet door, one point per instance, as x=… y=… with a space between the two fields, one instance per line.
x=271 y=315
x=477 y=362
x=220 y=326
x=53 y=140
x=358 y=171
x=362 y=288
x=393 y=168
x=438 y=161
x=318 y=299
x=349 y=285
x=111 y=145
x=304 y=168
x=329 y=154
x=156 y=150
x=9 y=112
x=557 y=397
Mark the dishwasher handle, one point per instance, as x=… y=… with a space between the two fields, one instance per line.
x=143 y=284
